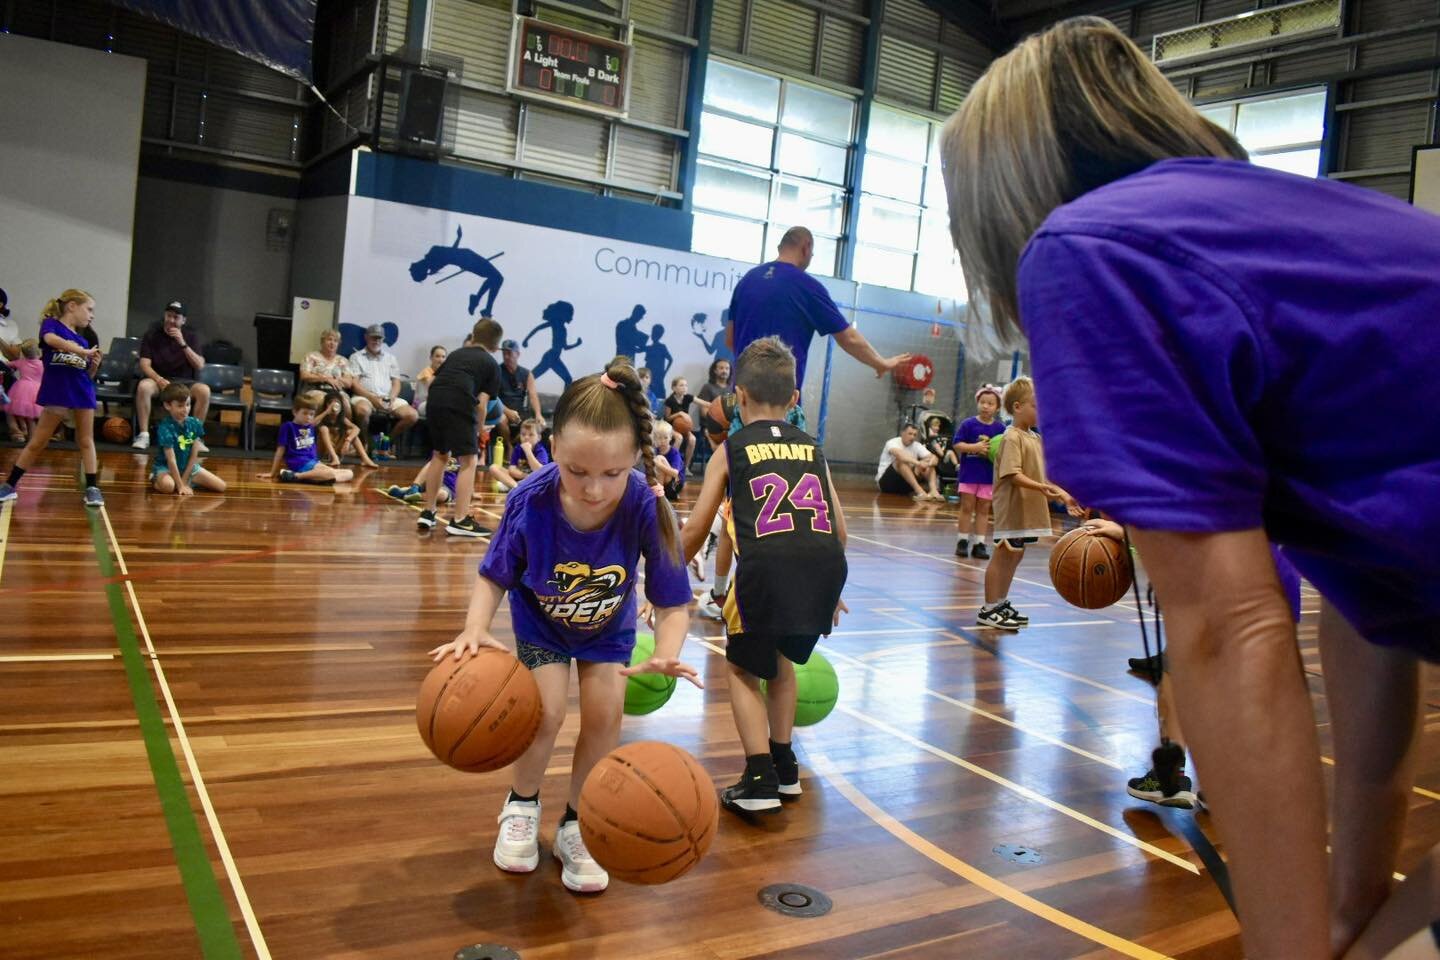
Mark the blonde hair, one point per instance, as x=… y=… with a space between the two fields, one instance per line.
x=312 y=400
x=30 y=348
x=1066 y=111
x=662 y=431
x=624 y=407
x=56 y=308
x=330 y=334
x=1020 y=389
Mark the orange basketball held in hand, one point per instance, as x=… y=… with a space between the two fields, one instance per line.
x=1089 y=570
x=682 y=424
x=479 y=713
x=116 y=430
x=718 y=414
x=648 y=812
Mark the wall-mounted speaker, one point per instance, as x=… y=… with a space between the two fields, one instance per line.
x=420 y=124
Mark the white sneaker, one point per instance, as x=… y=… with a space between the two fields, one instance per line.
x=141 y=441
x=578 y=870
x=710 y=609
x=517 y=848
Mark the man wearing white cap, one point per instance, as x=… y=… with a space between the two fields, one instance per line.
x=377 y=386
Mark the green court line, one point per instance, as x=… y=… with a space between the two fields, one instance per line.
x=212 y=918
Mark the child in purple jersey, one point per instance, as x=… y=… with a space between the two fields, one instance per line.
x=566 y=553
x=526 y=457
x=668 y=461
x=1195 y=323
x=296 y=445
x=65 y=387
x=975 y=481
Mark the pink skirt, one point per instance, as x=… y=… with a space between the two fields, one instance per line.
x=981 y=491
x=22 y=399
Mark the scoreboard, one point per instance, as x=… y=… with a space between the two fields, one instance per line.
x=577 y=69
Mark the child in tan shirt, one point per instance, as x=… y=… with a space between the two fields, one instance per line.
x=1021 y=505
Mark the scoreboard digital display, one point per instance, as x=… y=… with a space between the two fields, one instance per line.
x=578 y=69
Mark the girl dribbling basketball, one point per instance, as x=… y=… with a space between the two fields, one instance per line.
x=566 y=552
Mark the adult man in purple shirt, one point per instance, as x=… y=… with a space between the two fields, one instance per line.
x=779 y=299
x=168 y=351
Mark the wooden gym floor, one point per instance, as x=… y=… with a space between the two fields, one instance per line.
x=208 y=749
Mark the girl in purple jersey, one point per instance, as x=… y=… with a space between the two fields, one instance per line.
x=1195 y=324
x=566 y=553
x=975 y=481
x=70 y=361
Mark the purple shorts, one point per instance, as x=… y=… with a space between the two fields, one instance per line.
x=981 y=491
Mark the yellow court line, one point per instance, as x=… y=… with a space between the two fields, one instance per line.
x=978 y=711
x=54 y=657
x=821 y=764
x=995 y=778
x=6 y=508
x=237 y=885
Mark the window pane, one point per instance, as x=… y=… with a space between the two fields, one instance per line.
x=935 y=237
x=720 y=188
x=815 y=205
x=1221 y=115
x=825 y=249
x=735 y=140
x=892 y=224
x=892 y=178
x=935 y=176
x=814 y=111
x=742 y=91
x=939 y=276
x=884 y=267
x=810 y=158
x=725 y=237
x=1274 y=123
x=1306 y=163
x=897 y=134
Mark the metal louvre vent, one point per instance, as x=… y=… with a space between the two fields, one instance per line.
x=1259 y=28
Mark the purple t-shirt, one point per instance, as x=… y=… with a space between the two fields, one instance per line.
x=1218 y=346
x=673 y=457
x=780 y=300
x=976 y=468
x=517 y=456
x=573 y=592
x=299 y=444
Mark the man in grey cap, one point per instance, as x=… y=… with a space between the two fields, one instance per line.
x=377 y=386
x=517 y=385
x=169 y=351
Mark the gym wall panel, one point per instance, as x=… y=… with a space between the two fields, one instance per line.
x=906 y=73
x=727 y=26
x=476 y=32
x=643 y=158
x=485 y=126
x=673 y=16
x=842 y=51
x=565 y=142
x=1300 y=67
x=913 y=16
x=657 y=87
x=1383 y=136
x=783 y=34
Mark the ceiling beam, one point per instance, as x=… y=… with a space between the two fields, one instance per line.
x=977 y=18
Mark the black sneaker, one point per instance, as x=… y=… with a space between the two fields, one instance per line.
x=466 y=527
x=752 y=793
x=962 y=548
x=787 y=770
x=1148 y=666
x=1165 y=782
x=425 y=521
x=979 y=552
x=997 y=617
x=1016 y=615
x=287 y=476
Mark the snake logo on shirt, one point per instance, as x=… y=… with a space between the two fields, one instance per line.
x=585 y=599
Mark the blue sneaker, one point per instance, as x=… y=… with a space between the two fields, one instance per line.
x=93 y=497
x=7 y=492
x=288 y=476
x=397 y=492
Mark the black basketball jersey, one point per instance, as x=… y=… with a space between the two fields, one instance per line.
x=790 y=562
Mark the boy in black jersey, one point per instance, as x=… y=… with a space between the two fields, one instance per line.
x=789 y=536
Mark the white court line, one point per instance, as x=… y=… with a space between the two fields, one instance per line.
x=242 y=899
x=6 y=508
x=953 y=563
x=55 y=657
x=995 y=778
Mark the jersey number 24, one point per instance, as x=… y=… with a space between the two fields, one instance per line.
x=774 y=490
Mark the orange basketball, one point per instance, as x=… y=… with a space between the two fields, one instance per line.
x=479 y=713
x=116 y=430
x=682 y=424
x=648 y=812
x=718 y=414
x=1089 y=570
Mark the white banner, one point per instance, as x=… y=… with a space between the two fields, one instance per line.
x=573 y=300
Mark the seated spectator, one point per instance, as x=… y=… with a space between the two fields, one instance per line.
x=526 y=457
x=517 y=390
x=937 y=442
x=169 y=352
x=717 y=383
x=423 y=378
x=325 y=370
x=177 y=467
x=297 y=446
x=679 y=401
x=375 y=386
x=905 y=463
x=415 y=492
x=669 y=465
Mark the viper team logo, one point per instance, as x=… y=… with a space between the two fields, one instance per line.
x=584 y=598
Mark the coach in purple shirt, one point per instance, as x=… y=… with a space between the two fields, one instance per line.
x=1224 y=355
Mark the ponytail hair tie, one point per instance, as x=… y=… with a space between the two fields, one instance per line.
x=658 y=490
x=605 y=379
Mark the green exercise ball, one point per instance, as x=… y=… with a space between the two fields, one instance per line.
x=816 y=690
x=646 y=692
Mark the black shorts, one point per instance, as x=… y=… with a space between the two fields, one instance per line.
x=453 y=428
x=534 y=656
x=756 y=653
x=891 y=482
x=1018 y=543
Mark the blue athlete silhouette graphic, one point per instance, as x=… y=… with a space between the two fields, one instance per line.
x=717 y=347
x=658 y=359
x=555 y=317
x=352 y=337
x=629 y=341
x=464 y=261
